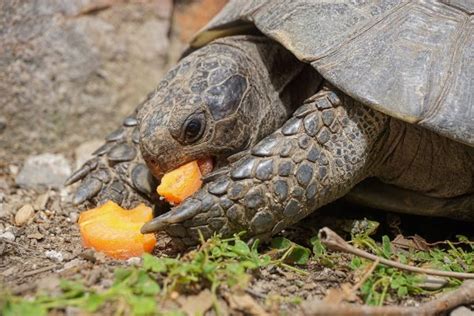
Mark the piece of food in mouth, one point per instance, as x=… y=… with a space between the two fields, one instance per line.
x=116 y=231
x=184 y=181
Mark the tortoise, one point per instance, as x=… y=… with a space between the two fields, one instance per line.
x=299 y=103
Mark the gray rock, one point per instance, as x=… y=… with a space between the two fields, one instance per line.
x=54 y=255
x=84 y=68
x=8 y=236
x=462 y=311
x=48 y=170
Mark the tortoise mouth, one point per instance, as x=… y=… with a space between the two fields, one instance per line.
x=206 y=165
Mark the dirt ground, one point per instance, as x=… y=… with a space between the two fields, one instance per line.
x=48 y=248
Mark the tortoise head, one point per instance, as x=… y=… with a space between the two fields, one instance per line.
x=217 y=101
x=201 y=110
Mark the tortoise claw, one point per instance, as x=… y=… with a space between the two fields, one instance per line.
x=78 y=175
x=142 y=179
x=187 y=210
x=82 y=172
x=88 y=189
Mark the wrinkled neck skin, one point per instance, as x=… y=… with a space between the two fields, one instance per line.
x=242 y=88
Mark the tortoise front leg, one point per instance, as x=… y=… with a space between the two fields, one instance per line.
x=117 y=172
x=317 y=156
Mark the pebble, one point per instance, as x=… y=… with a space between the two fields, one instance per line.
x=54 y=255
x=41 y=201
x=37 y=236
x=72 y=264
x=13 y=169
x=45 y=170
x=8 y=236
x=84 y=151
x=74 y=216
x=462 y=311
x=24 y=214
x=134 y=261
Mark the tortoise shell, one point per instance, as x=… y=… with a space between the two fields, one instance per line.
x=413 y=60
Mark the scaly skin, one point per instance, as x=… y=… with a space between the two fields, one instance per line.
x=117 y=172
x=317 y=156
x=239 y=88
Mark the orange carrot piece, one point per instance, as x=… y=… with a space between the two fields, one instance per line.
x=115 y=231
x=180 y=183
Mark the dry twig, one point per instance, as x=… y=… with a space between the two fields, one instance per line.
x=332 y=240
x=462 y=296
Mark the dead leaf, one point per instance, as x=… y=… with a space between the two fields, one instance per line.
x=196 y=304
x=340 y=294
x=246 y=304
x=416 y=242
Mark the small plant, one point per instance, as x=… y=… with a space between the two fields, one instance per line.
x=139 y=290
x=386 y=282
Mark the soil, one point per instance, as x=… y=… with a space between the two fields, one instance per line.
x=48 y=247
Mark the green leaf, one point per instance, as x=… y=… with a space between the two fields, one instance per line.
x=241 y=248
x=281 y=243
x=24 y=308
x=216 y=252
x=356 y=263
x=318 y=248
x=121 y=275
x=299 y=255
x=264 y=260
x=154 y=264
x=235 y=269
x=142 y=305
x=145 y=285
x=386 y=247
x=72 y=289
x=402 y=291
x=93 y=302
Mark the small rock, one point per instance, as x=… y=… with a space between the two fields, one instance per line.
x=8 y=236
x=134 y=261
x=55 y=206
x=13 y=169
x=461 y=311
x=74 y=217
x=37 y=236
x=84 y=151
x=24 y=214
x=48 y=170
x=41 y=201
x=72 y=264
x=54 y=255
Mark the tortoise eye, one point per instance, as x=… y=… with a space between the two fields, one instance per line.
x=193 y=128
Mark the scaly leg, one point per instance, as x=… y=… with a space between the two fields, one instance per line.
x=317 y=156
x=117 y=172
